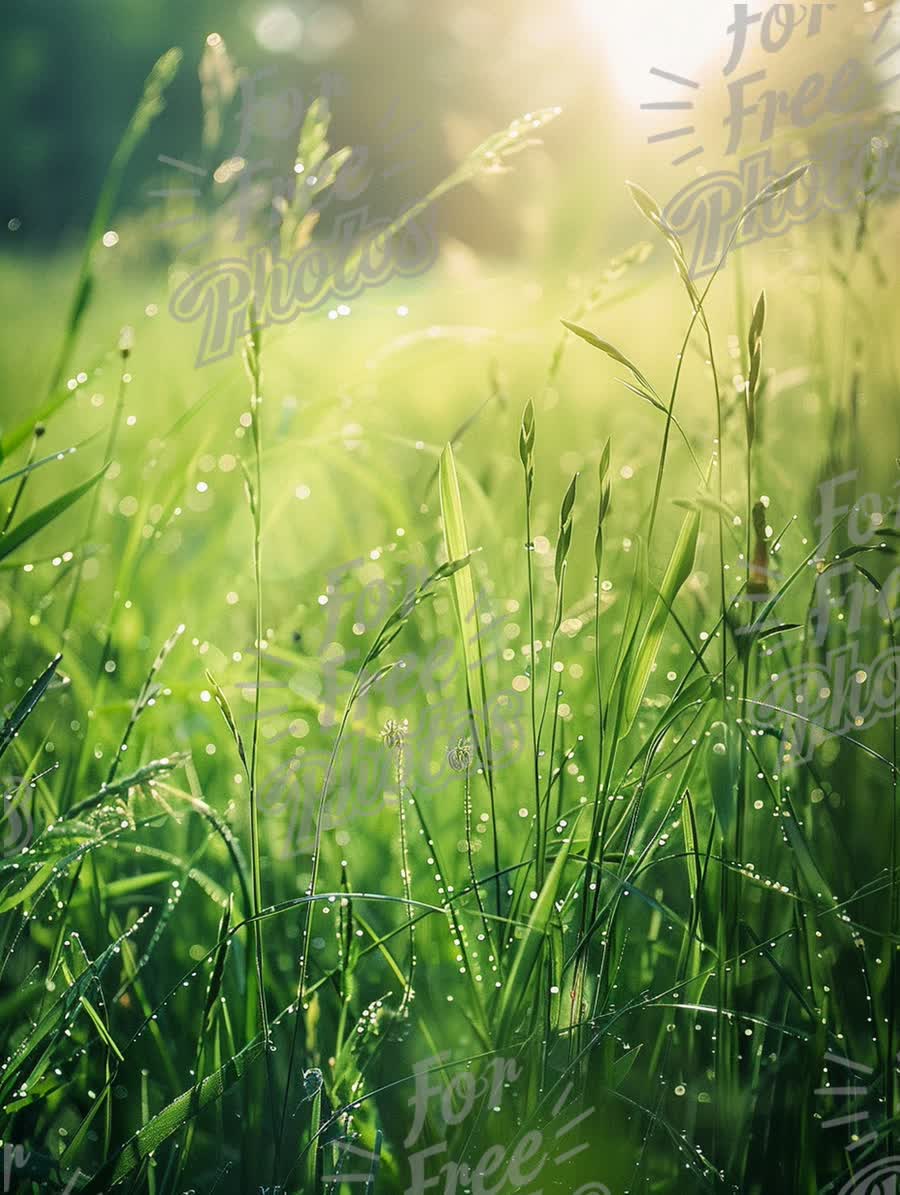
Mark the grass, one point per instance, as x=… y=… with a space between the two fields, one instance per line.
x=500 y=631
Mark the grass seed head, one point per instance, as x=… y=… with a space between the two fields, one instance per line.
x=394 y=732
x=459 y=757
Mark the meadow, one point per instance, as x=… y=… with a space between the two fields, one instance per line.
x=451 y=744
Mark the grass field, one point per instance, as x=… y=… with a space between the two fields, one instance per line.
x=450 y=750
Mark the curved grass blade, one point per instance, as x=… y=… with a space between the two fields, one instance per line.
x=39 y=519
x=611 y=351
x=26 y=705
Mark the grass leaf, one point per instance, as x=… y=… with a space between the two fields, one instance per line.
x=677 y=572
x=36 y=691
x=611 y=351
x=39 y=519
x=465 y=602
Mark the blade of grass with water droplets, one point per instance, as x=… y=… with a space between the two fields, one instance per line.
x=24 y=707
x=173 y=1117
x=465 y=602
x=677 y=572
x=516 y=986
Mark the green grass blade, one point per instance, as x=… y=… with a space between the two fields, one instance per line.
x=35 y=692
x=677 y=572
x=611 y=351
x=516 y=985
x=172 y=1118
x=39 y=519
x=466 y=605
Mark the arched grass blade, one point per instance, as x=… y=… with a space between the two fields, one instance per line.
x=39 y=519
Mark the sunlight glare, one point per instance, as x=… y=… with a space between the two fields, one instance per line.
x=684 y=38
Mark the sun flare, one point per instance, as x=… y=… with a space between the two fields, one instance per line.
x=683 y=39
